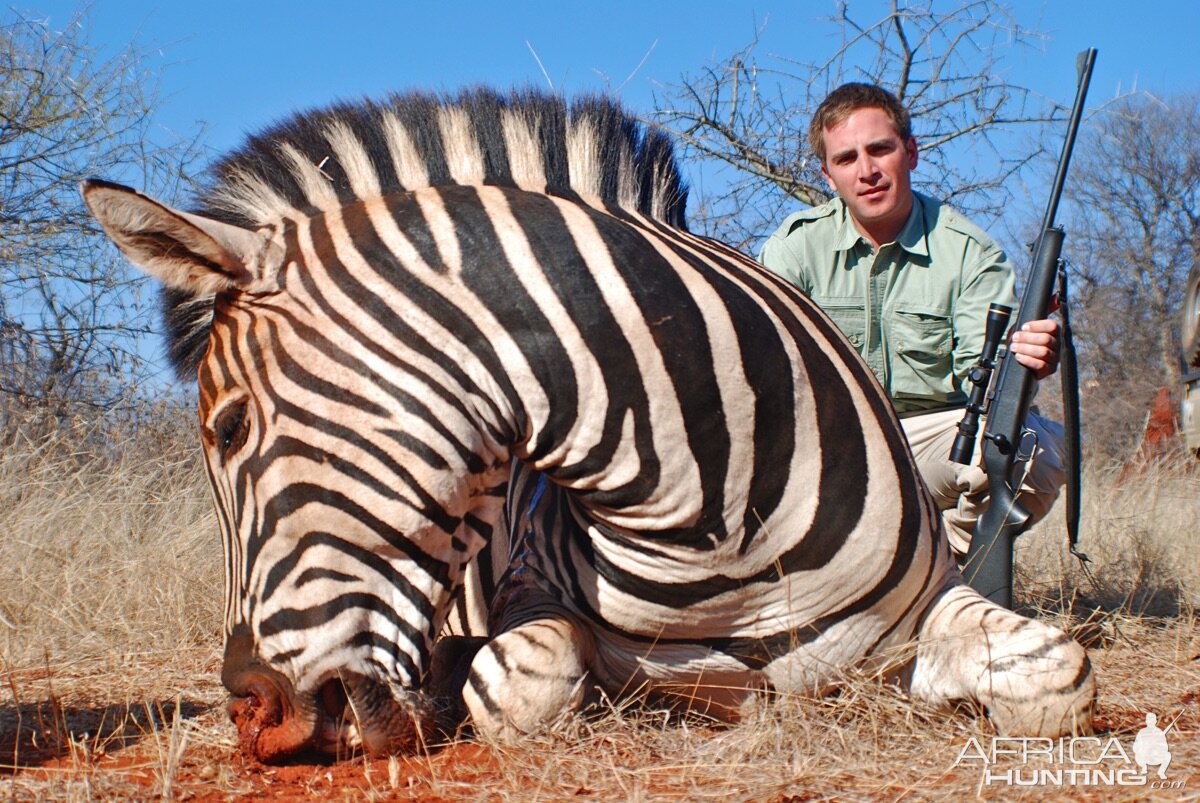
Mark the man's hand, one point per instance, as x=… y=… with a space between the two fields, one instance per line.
x=1036 y=347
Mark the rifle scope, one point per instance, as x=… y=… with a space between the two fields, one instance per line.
x=980 y=376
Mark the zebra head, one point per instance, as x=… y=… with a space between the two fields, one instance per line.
x=347 y=514
x=354 y=298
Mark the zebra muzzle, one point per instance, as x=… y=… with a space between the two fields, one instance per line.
x=272 y=721
x=347 y=715
x=268 y=726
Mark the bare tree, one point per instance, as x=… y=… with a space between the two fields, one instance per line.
x=1135 y=236
x=70 y=314
x=751 y=113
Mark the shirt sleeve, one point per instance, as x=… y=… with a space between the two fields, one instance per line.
x=987 y=279
x=782 y=255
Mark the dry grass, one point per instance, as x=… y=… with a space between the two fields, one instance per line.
x=1142 y=536
x=110 y=654
x=106 y=554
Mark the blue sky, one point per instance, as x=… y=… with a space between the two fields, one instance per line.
x=238 y=66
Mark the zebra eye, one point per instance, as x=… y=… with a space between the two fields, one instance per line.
x=231 y=428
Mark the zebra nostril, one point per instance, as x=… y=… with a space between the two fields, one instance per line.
x=260 y=704
x=244 y=708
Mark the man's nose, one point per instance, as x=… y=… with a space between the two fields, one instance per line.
x=868 y=168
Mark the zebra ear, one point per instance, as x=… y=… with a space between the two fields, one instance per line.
x=185 y=251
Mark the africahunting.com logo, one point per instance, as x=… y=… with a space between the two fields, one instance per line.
x=1079 y=761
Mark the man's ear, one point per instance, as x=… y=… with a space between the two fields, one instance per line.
x=828 y=178
x=911 y=148
x=185 y=251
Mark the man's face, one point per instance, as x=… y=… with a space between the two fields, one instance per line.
x=868 y=164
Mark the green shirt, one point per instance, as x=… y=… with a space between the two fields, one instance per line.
x=915 y=309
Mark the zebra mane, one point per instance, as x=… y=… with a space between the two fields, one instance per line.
x=327 y=158
x=321 y=160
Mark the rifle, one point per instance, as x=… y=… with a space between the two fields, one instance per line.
x=988 y=566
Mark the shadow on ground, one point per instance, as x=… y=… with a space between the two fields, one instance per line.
x=32 y=734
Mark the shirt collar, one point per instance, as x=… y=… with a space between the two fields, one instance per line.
x=912 y=238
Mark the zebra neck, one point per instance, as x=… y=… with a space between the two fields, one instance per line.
x=564 y=330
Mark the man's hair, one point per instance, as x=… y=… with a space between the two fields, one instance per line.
x=849 y=98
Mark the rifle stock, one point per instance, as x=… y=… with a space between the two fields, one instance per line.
x=988 y=567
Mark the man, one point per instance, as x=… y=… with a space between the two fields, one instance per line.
x=908 y=280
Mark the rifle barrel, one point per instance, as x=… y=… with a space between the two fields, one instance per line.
x=1085 y=63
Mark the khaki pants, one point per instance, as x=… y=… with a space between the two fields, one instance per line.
x=961 y=491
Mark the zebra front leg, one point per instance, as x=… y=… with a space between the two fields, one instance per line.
x=1033 y=678
x=528 y=676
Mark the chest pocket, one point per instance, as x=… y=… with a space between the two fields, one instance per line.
x=924 y=347
x=849 y=316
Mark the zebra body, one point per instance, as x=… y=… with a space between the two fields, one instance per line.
x=398 y=310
